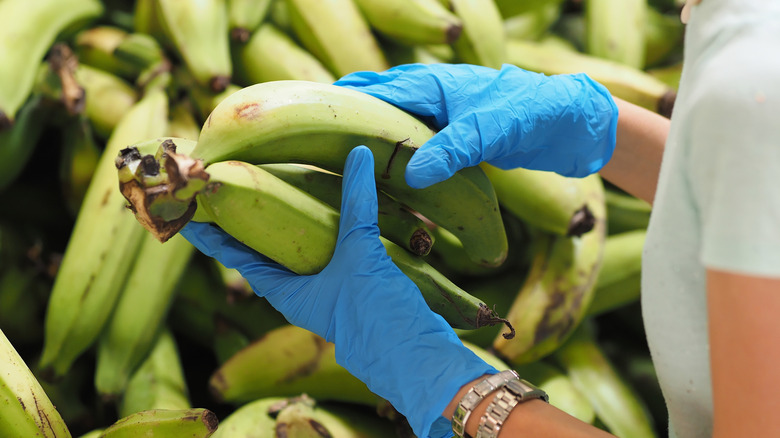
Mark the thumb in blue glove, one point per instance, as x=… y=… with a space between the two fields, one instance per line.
x=385 y=333
x=509 y=118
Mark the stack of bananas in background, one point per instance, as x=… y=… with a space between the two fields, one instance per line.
x=125 y=335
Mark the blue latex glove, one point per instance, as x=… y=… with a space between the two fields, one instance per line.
x=509 y=118
x=385 y=333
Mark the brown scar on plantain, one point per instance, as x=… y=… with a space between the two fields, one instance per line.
x=398 y=144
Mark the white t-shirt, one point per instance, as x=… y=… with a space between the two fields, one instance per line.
x=718 y=198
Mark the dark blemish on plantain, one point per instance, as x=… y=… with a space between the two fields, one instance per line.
x=666 y=104
x=219 y=83
x=42 y=414
x=565 y=323
x=453 y=32
x=309 y=367
x=398 y=144
x=216 y=387
x=240 y=35
x=249 y=111
x=281 y=430
x=319 y=428
x=106 y=197
x=212 y=188
x=421 y=242
x=210 y=420
x=582 y=221
x=5 y=121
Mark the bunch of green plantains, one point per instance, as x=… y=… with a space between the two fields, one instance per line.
x=121 y=121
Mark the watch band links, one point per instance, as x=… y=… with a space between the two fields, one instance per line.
x=509 y=396
x=475 y=395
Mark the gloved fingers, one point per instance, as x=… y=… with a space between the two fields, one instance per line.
x=261 y=272
x=415 y=88
x=458 y=145
x=359 y=206
x=364 y=78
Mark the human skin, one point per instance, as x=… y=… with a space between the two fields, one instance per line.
x=634 y=167
x=742 y=311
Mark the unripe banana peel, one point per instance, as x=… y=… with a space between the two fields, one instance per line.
x=269 y=215
x=319 y=124
x=559 y=287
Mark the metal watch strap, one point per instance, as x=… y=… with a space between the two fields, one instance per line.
x=510 y=395
x=474 y=395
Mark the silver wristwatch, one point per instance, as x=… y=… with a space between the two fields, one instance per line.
x=510 y=395
x=475 y=395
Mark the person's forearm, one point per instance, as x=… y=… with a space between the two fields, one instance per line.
x=636 y=162
x=532 y=418
x=744 y=352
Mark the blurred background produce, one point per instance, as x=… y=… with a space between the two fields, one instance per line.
x=109 y=324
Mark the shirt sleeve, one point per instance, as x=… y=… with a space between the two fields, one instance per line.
x=734 y=164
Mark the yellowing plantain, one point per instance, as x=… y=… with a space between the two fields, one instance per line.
x=544 y=200
x=412 y=22
x=564 y=395
x=318 y=124
x=244 y=16
x=129 y=334
x=396 y=223
x=299 y=231
x=483 y=39
x=27 y=32
x=95 y=47
x=533 y=23
x=272 y=417
x=626 y=212
x=615 y=401
x=26 y=409
x=301 y=417
x=159 y=381
x=337 y=34
x=198 y=31
x=619 y=280
x=559 y=287
x=192 y=423
x=294 y=361
x=108 y=98
x=254 y=419
x=101 y=247
x=272 y=55
x=267 y=214
x=615 y=30
x=623 y=81
x=151 y=284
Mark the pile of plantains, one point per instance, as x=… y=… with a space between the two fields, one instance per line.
x=122 y=120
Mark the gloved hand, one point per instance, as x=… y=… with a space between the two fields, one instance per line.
x=385 y=333
x=509 y=118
